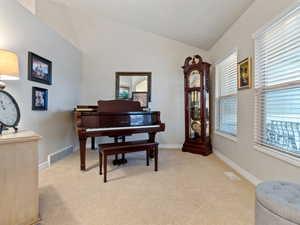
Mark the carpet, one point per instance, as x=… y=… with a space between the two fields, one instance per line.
x=188 y=189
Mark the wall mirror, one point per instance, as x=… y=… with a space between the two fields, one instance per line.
x=130 y=84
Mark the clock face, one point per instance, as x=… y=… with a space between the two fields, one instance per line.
x=9 y=110
x=194 y=79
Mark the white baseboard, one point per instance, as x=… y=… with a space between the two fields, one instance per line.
x=248 y=176
x=43 y=165
x=176 y=146
x=47 y=164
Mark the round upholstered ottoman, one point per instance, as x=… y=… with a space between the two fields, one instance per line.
x=277 y=203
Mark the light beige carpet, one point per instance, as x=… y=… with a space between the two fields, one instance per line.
x=187 y=190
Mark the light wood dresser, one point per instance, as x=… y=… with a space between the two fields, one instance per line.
x=19 y=199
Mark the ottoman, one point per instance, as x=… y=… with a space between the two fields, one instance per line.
x=277 y=203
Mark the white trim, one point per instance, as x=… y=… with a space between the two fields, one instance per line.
x=59 y=151
x=228 y=136
x=278 y=155
x=46 y=164
x=248 y=176
x=169 y=146
x=43 y=165
x=284 y=13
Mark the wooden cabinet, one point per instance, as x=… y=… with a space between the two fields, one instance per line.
x=197 y=101
x=19 y=178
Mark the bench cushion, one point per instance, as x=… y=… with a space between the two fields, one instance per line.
x=281 y=198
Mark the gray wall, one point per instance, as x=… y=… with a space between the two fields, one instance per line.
x=263 y=166
x=110 y=47
x=22 y=32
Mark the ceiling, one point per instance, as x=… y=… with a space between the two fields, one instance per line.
x=198 y=23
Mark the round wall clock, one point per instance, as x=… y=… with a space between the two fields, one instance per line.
x=9 y=111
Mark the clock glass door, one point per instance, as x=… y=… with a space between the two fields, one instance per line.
x=194 y=117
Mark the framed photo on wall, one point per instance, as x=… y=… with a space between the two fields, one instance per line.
x=39 y=99
x=141 y=97
x=123 y=92
x=245 y=74
x=39 y=69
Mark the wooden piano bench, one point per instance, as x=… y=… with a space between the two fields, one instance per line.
x=126 y=147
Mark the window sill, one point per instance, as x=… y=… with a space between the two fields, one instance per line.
x=278 y=155
x=228 y=136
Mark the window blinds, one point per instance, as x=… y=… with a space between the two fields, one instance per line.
x=226 y=94
x=277 y=71
x=227 y=72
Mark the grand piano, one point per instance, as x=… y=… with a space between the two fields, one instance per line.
x=115 y=118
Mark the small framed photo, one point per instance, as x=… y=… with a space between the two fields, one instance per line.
x=39 y=99
x=141 y=97
x=123 y=92
x=39 y=69
x=245 y=74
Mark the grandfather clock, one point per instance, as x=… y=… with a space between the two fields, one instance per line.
x=196 y=96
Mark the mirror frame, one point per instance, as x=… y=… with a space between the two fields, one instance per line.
x=120 y=74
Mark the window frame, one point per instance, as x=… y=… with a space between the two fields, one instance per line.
x=230 y=136
x=270 y=150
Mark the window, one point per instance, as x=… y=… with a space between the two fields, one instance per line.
x=277 y=83
x=226 y=99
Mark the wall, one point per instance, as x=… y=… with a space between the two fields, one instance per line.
x=242 y=152
x=22 y=32
x=113 y=47
x=29 y=4
x=109 y=47
x=57 y=14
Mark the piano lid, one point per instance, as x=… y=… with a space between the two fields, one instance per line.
x=119 y=106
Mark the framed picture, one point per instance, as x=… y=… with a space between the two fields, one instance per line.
x=244 y=74
x=141 y=97
x=123 y=92
x=39 y=99
x=39 y=69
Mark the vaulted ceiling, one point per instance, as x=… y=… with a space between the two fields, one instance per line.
x=198 y=23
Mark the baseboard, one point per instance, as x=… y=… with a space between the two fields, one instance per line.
x=176 y=146
x=248 y=176
x=56 y=156
x=43 y=165
x=59 y=155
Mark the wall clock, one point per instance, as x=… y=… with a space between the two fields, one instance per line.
x=9 y=112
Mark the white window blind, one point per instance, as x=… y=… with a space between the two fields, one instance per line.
x=277 y=71
x=226 y=90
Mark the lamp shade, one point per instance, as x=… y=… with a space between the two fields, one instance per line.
x=9 y=66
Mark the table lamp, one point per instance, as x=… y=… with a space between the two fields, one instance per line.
x=9 y=67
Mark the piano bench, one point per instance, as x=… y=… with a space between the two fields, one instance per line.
x=126 y=147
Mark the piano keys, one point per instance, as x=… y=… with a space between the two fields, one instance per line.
x=115 y=118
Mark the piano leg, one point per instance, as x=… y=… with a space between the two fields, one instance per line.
x=151 y=139
x=123 y=160
x=82 y=153
x=93 y=143
x=116 y=161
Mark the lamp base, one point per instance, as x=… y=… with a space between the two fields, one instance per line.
x=2 y=85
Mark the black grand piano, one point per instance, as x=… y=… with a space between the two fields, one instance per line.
x=115 y=118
